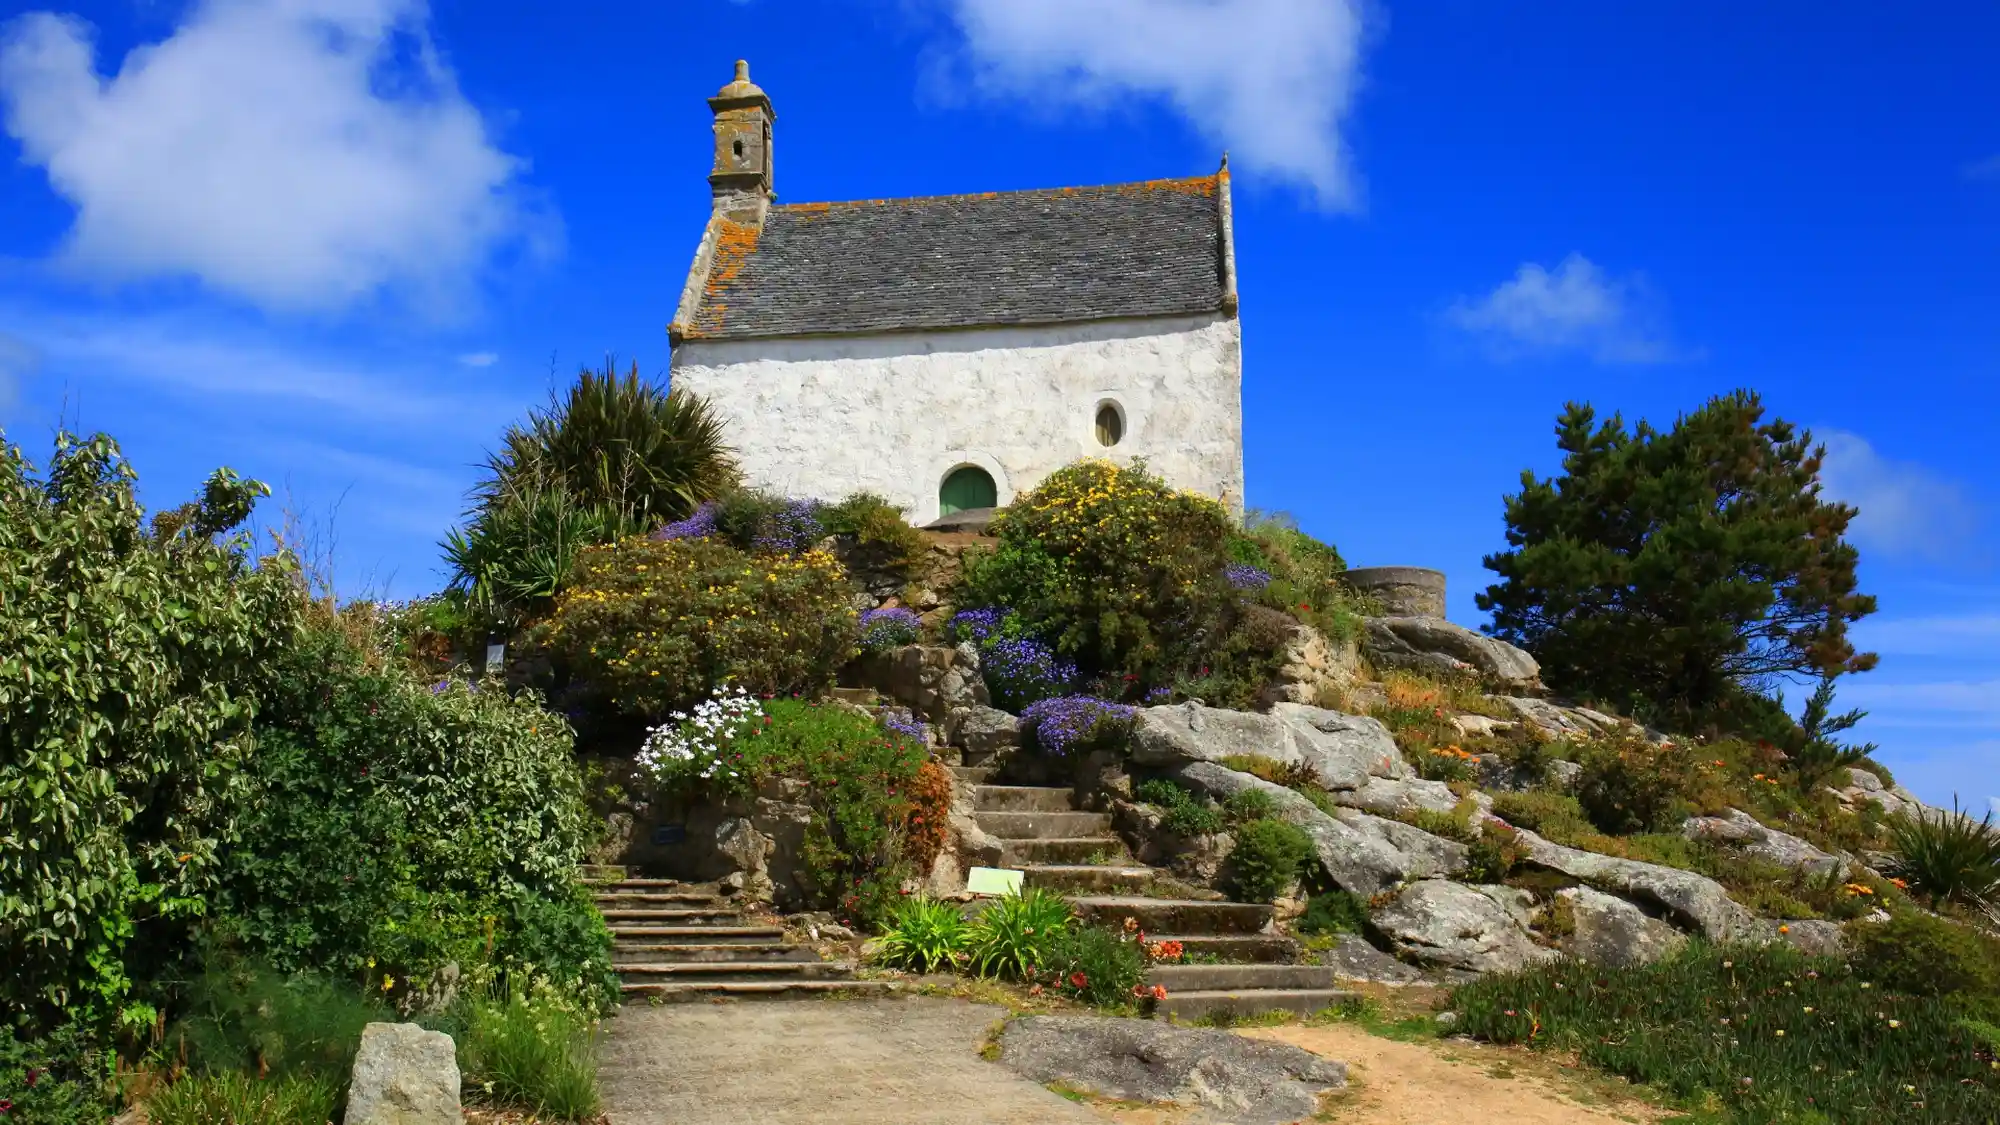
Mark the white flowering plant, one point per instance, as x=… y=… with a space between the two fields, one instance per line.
x=705 y=748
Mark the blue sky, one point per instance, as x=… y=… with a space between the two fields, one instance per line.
x=338 y=244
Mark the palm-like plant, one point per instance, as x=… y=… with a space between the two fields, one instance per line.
x=617 y=440
x=613 y=456
x=924 y=935
x=1948 y=856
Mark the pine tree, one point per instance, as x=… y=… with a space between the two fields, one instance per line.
x=1682 y=573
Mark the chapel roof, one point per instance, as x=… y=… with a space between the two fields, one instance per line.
x=1156 y=248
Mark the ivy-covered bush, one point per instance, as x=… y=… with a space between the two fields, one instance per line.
x=1120 y=572
x=651 y=624
x=877 y=800
x=129 y=666
x=1267 y=858
x=393 y=826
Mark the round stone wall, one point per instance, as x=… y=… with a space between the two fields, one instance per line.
x=1404 y=591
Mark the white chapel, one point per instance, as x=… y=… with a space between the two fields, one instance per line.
x=949 y=352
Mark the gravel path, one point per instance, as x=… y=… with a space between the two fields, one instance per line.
x=910 y=1061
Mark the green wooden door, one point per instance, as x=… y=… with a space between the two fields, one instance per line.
x=965 y=489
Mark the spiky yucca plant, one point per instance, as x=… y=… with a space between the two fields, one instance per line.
x=1948 y=856
x=618 y=440
x=612 y=456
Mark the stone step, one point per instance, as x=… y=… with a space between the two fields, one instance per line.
x=615 y=886
x=1092 y=878
x=717 y=972
x=1175 y=915
x=670 y=915
x=1043 y=825
x=601 y=872
x=980 y=758
x=1237 y=978
x=628 y=899
x=696 y=935
x=1087 y=849
x=1022 y=798
x=1262 y=948
x=973 y=775
x=645 y=952
x=681 y=991
x=1194 y=1005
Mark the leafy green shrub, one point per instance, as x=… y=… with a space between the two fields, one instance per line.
x=1948 y=856
x=527 y=1052
x=129 y=670
x=654 y=624
x=1920 y=953
x=243 y=1016
x=879 y=528
x=63 y=1079
x=1541 y=811
x=1015 y=935
x=1096 y=965
x=1122 y=573
x=232 y=1097
x=1629 y=785
x=924 y=935
x=1186 y=814
x=1703 y=1027
x=1334 y=912
x=1442 y=824
x=1302 y=574
x=1249 y=804
x=393 y=826
x=1266 y=858
x=864 y=785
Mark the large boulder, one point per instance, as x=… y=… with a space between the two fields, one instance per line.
x=1438 y=647
x=1364 y=854
x=1310 y=666
x=1693 y=901
x=1454 y=926
x=1352 y=958
x=1233 y=1078
x=932 y=680
x=1856 y=787
x=1343 y=751
x=1610 y=931
x=1741 y=832
x=404 y=1075
x=983 y=731
x=1385 y=797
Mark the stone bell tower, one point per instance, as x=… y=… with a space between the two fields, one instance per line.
x=741 y=178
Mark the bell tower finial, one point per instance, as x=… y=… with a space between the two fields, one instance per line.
x=740 y=181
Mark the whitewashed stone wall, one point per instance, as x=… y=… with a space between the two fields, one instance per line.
x=894 y=414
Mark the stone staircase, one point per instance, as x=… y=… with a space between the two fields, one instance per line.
x=673 y=941
x=1238 y=964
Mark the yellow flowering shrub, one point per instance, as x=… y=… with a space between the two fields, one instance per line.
x=653 y=625
x=1124 y=575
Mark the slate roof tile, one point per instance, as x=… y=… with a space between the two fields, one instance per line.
x=962 y=261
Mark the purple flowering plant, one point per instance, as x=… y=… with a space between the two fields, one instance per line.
x=700 y=525
x=1019 y=668
x=792 y=528
x=1243 y=576
x=892 y=627
x=1072 y=724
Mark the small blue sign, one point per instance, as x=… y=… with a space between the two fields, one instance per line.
x=670 y=834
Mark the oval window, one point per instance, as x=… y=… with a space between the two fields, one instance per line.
x=1110 y=425
x=966 y=488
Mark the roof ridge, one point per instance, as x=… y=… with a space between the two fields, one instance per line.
x=1211 y=181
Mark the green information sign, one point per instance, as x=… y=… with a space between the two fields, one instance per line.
x=993 y=881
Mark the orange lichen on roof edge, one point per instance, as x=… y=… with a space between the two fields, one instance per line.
x=734 y=244
x=1191 y=185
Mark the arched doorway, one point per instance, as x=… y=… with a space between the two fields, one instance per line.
x=965 y=488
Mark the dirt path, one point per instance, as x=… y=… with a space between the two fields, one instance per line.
x=911 y=1061
x=1424 y=1083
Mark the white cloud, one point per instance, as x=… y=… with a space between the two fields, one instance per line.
x=1940 y=703
x=1973 y=634
x=1269 y=79
x=1905 y=509
x=219 y=362
x=301 y=154
x=1987 y=169
x=1576 y=307
x=479 y=359
x=1993 y=805
x=18 y=360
